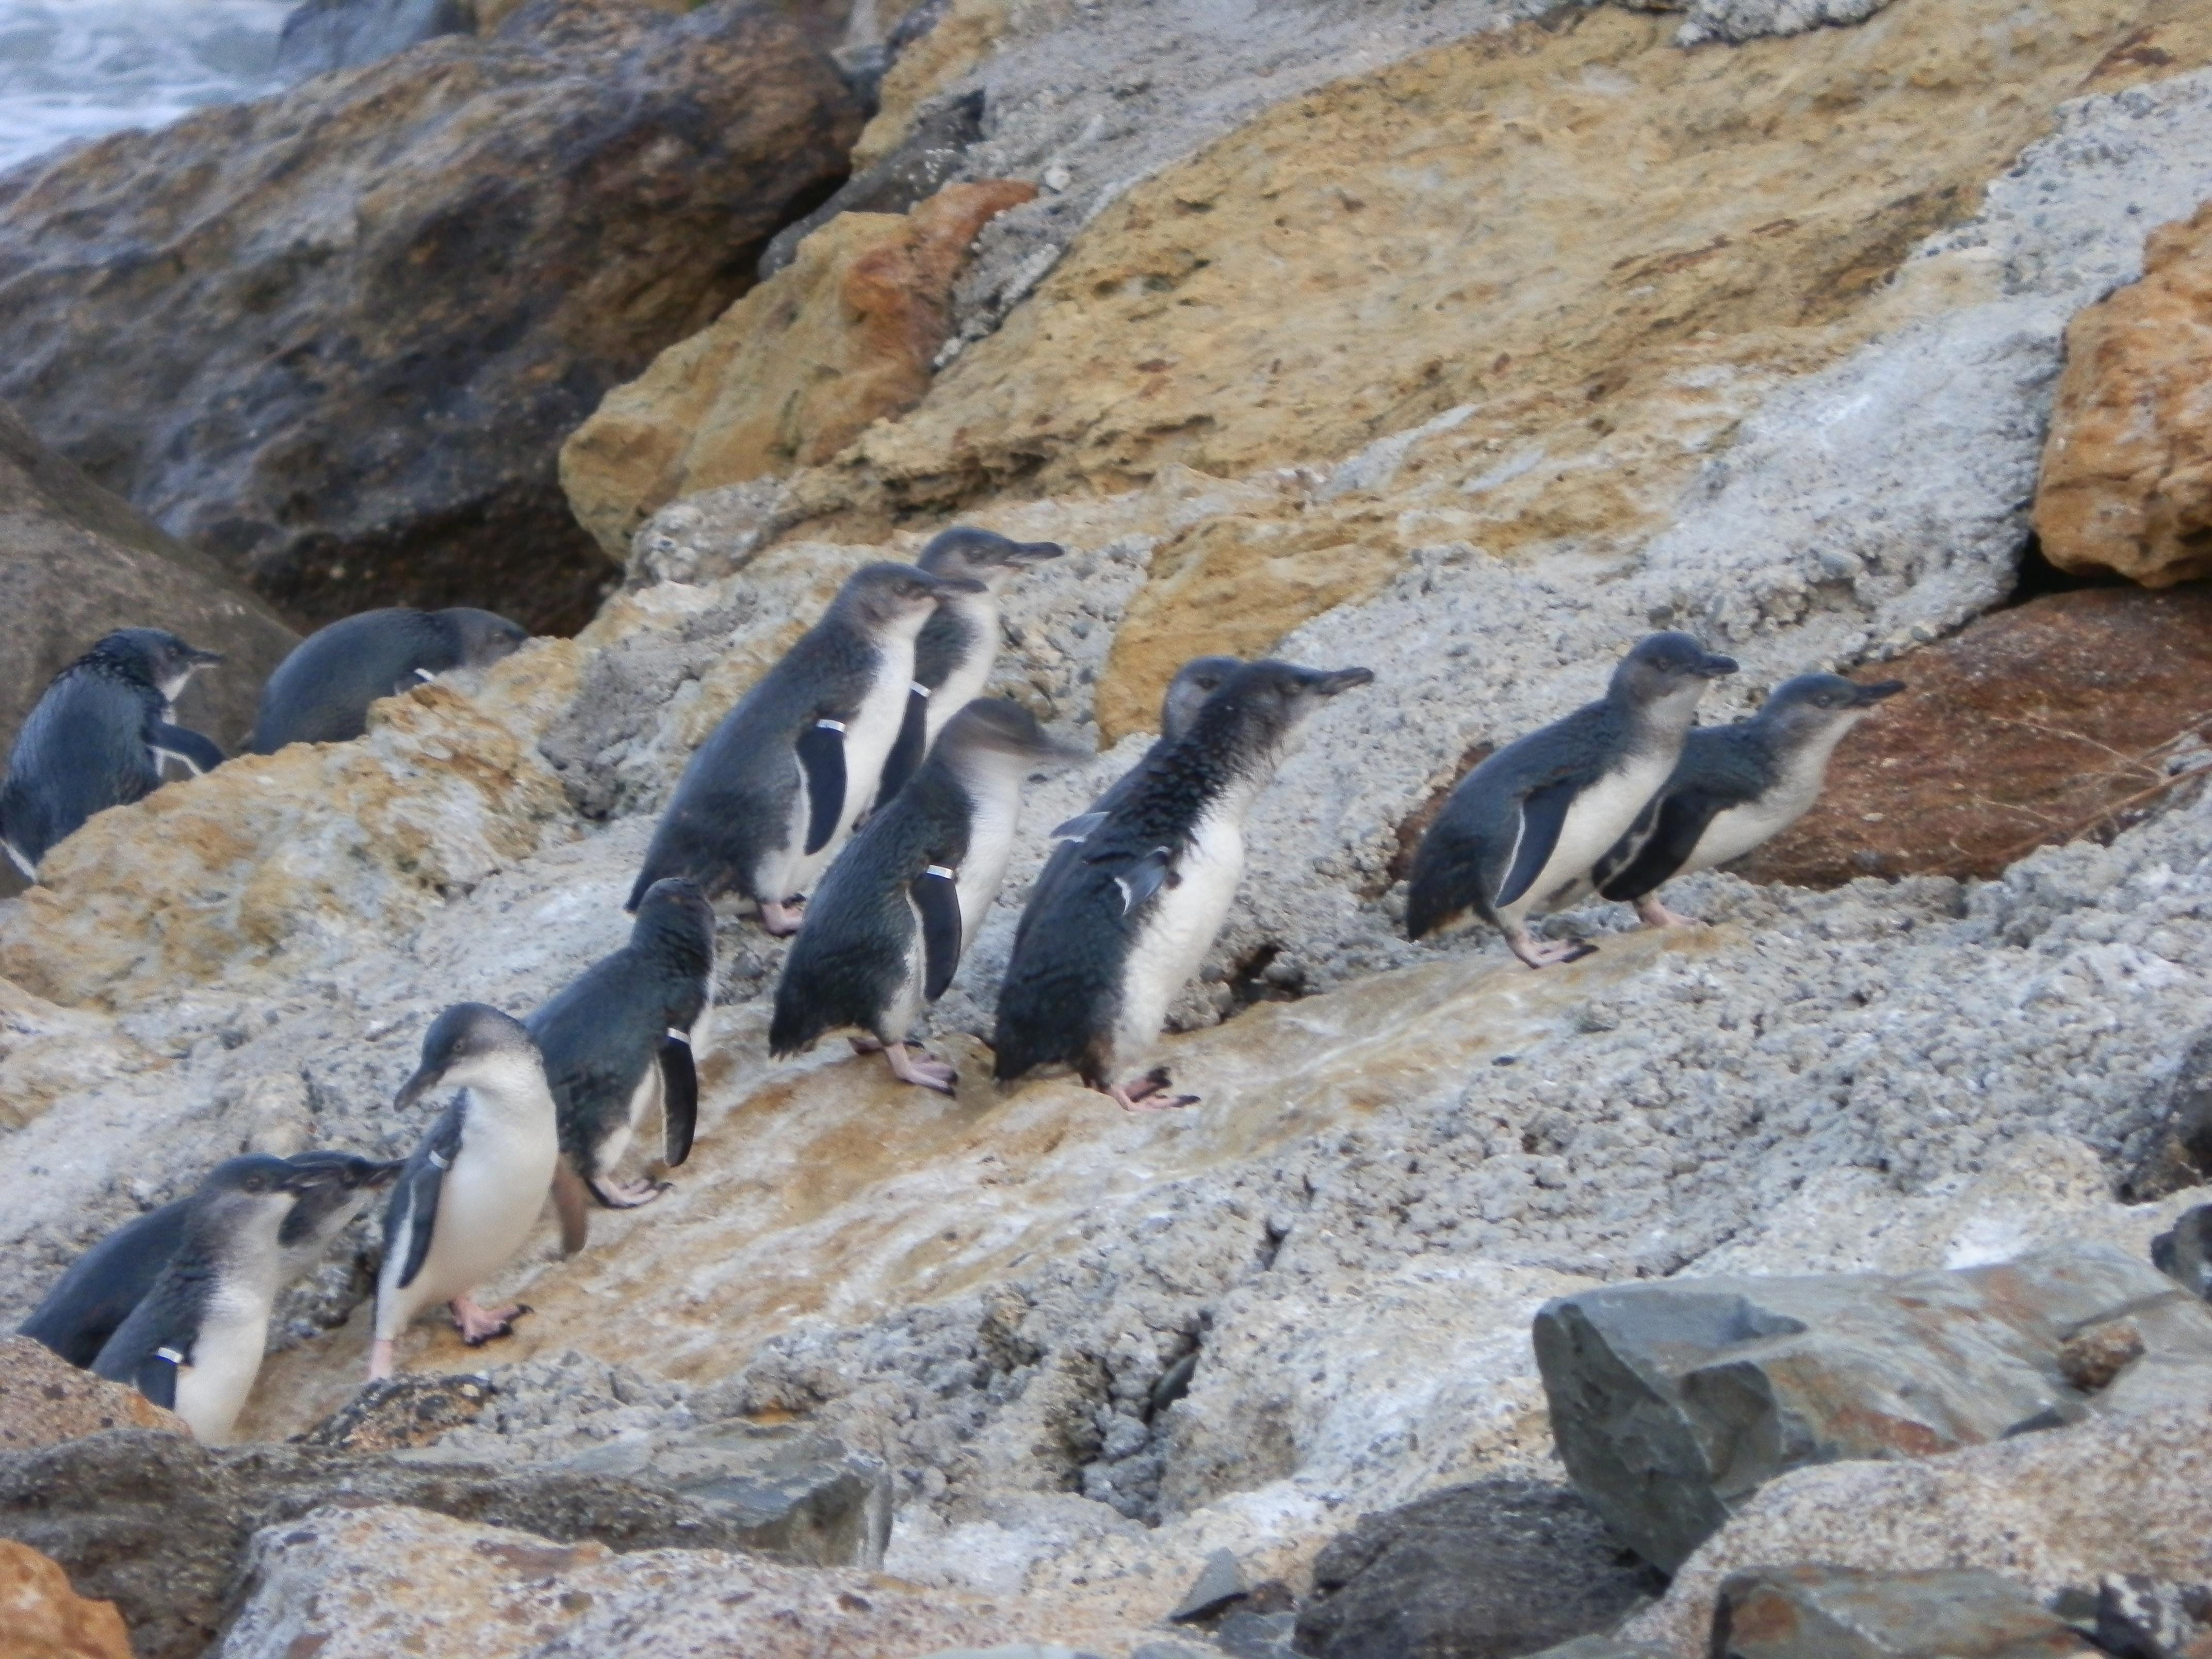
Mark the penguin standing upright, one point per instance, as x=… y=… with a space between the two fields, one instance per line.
x=1102 y=955
x=887 y=928
x=194 y=1342
x=472 y=1191
x=1524 y=831
x=621 y=1039
x=321 y=691
x=769 y=797
x=97 y=738
x=953 y=653
x=97 y=1290
x=1735 y=787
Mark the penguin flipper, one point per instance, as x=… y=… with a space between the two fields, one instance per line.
x=1079 y=827
x=194 y=751
x=1543 y=815
x=1144 y=876
x=568 y=1205
x=906 y=753
x=1683 y=819
x=822 y=756
x=679 y=1096
x=936 y=896
x=418 y=1188
x=157 y=1376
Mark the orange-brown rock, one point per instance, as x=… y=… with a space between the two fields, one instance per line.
x=42 y=1618
x=45 y=1400
x=794 y=372
x=2127 y=471
x=2030 y=726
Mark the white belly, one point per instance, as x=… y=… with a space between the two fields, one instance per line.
x=990 y=849
x=1179 y=928
x=227 y=1353
x=1598 y=819
x=905 y=1006
x=966 y=682
x=487 y=1204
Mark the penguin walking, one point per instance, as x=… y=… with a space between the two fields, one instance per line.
x=1522 y=833
x=1102 y=955
x=194 y=1342
x=770 y=796
x=97 y=738
x=1735 y=787
x=471 y=1192
x=953 y=653
x=320 y=693
x=97 y=1292
x=620 y=1041
x=887 y=928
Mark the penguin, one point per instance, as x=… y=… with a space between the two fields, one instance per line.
x=1194 y=682
x=1524 y=831
x=2184 y=1251
x=1735 y=787
x=887 y=928
x=1103 y=954
x=768 y=799
x=320 y=693
x=471 y=1192
x=621 y=1040
x=99 y=1290
x=953 y=653
x=194 y=1342
x=97 y=738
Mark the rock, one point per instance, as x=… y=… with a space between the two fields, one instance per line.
x=2113 y=1495
x=1483 y=1571
x=2184 y=1252
x=42 y=1618
x=2178 y=1149
x=1673 y=1402
x=1601 y=1647
x=321 y=36
x=2054 y=719
x=48 y=1052
x=400 y=1411
x=1834 y=1612
x=2139 y=1617
x=45 y=1400
x=75 y=562
x=1220 y=1582
x=2127 y=471
x=373 y=306
x=790 y=373
x=924 y=162
x=1012 y=1651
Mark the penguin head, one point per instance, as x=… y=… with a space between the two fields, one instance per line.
x=1261 y=709
x=159 y=658
x=983 y=556
x=331 y=1188
x=999 y=732
x=896 y=600
x=1194 y=682
x=1814 y=704
x=1667 y=668
x=676 y=926
x=255 y=1189
x=482 y=636
x=471 y=1045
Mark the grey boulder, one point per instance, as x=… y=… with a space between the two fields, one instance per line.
x=323 y=35
x=1836 y=1612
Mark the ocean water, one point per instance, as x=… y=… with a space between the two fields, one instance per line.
x=76 y=68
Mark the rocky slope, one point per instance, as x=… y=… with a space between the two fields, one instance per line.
x=1468 y=359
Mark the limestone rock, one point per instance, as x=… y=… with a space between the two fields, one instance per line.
x=2127 y=471
x=1834 y=1612
x=1485 y=1570
x=321 y=36
x=400 y=1411
x=1673 y=1402
x=928 y=159
x=790 y=373
x=45 y=1400
x=2053 y=718
x=2176 y=1150
x=335 y=337
x=47 y=1052
x=42 y=1618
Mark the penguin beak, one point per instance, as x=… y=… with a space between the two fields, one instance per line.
x=946 y=587
x=1341 y=679
x=1714 y=667
x=1870 y=695
x=416 y=1087
x=1028 y=553
x=200 y=659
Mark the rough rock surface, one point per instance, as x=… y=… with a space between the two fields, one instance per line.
x=42 y=1618
x=45 y=1400
x=321 y=36
x=1799 y=1613
x=334 y=337
x=2179 y=1150
x=2127 y=474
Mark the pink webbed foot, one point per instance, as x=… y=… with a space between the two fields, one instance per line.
x=629 y=1195
x=912 y=1065
x=865 y=1045
x=483 y=1325
x=1543 y=953
x=379 y=1358
x=781 y=919
x=1653 y=913
x=1149 y=1093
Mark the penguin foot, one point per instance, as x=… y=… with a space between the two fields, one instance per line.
x=483 y=1325
x=1543 y=953
x=1149 y=1093
x=380 y=1358
x=1653 y=913
x=866 y=1045
x=627 y=1194
x=916 y=1067
x=781 y=919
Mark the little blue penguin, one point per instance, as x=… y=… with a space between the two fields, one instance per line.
x=99 y=1290
x=953 y=653
x=887 y=928
x=770 y=796
x=321 y=692
x=622 y=1040
x=1101 y=955
x=97 y=738
x=1735 y=787
x=194 y=1342
x=1523 y=831
x=470 y=1193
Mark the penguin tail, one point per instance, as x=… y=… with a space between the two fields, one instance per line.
x=646 y=877
x=794 y=1029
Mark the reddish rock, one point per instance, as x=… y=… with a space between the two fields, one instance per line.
x=42 y=1618
x=2026 y=727
x=45 y=1400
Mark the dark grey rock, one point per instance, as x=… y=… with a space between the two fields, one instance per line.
x=1671 y=1402
x=1602 y=1647
x=2179 y=1152
x=928 y=159
x=2143 y=1617
x=1015 y=1651
x=1483 y=1570
x=321 y=36
x=1220 y=1582
x=411 y=1409
x=1258 y=1635
x=1836 y=1613
x=2184 y=1251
